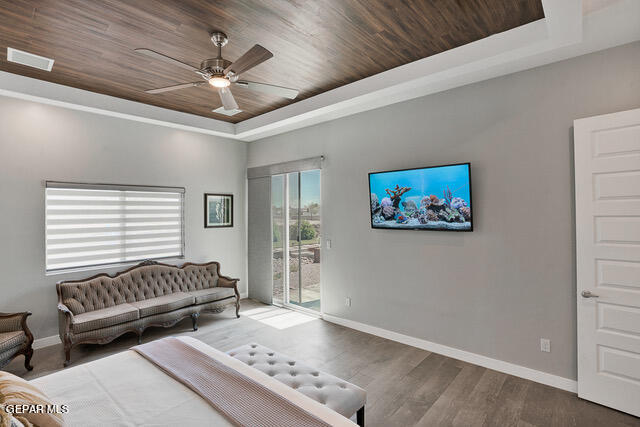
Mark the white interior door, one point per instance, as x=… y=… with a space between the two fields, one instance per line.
x=607 y=189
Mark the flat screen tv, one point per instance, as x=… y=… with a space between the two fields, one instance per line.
x=430 y=198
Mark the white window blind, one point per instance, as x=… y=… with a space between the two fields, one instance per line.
x=91 y=225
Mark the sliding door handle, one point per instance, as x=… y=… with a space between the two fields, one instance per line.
x=588 y=294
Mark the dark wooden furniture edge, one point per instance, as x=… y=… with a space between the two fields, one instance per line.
x=143 y=264
x=27 y=348
x=69 y=343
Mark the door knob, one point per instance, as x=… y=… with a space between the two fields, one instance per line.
x=588 y=294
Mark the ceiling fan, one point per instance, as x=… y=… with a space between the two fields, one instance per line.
x=221 y=73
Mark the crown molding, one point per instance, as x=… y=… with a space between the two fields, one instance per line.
x=16 y=86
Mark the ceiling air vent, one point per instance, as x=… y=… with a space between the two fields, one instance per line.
x=221 y=110
x=29 y=59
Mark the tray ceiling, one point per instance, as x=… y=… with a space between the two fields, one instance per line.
x=317 y=45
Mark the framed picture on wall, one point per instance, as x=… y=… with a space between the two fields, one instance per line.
x=218 y=210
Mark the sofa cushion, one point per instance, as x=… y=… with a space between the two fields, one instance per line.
x=104 y=317
x=9 y=340
x=212 y=294
x=74 y=305
x=163 y=304
x=7 y=355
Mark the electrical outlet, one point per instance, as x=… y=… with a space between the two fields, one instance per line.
x=328 y=243
x=347 y=302
x=545 y=345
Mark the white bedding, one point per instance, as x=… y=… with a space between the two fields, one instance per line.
x=127 y=390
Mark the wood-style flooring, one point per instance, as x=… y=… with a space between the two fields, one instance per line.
x=405 y=386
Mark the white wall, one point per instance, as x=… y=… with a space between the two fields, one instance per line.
x=40 y=142
x=495 y=291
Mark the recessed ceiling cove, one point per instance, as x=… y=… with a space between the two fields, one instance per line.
x=317 y=45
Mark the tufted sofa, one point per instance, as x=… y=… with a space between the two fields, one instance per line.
x=100 y=309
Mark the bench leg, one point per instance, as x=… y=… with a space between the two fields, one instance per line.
x=360 y=417
x=194 y=320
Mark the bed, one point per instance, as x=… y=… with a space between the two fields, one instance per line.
x=128 y=390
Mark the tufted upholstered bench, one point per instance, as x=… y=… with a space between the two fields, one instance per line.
x=343 y=397
x=99 y=309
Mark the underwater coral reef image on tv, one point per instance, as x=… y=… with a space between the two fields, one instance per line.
x=430 y=198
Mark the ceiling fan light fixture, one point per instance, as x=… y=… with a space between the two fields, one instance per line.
x=219 y=82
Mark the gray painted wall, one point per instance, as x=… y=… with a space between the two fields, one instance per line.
x=41 y=142
x=495 y=291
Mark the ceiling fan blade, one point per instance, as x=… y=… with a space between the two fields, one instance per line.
x=283 y=92
x=175 y=87
x=254 y=56
x=165 y=58
x=228 y=101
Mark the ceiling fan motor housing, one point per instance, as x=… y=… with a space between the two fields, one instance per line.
x=214 y=66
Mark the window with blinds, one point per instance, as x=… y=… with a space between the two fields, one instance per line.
x=96 y=225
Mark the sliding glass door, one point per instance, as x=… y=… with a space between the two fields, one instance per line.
x=278 y=212
x=295 y=217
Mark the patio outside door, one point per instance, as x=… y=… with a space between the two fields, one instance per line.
x=295 y=217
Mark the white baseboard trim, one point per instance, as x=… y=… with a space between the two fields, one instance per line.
x=466 y=356
x=55 y=339
x=46 y=342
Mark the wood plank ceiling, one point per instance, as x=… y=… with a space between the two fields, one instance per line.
x=318 y=45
